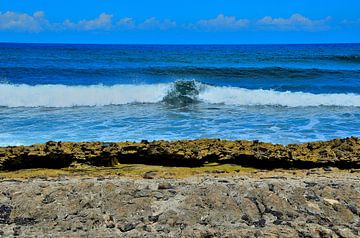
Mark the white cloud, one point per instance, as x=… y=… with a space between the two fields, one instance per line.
x=153 y=23
x=294 y=22
x=348 y=22
x=221 y=22
x=37 y=22
x=102 y=22
x=39 y=14
x=22 y=21
x=126 y=22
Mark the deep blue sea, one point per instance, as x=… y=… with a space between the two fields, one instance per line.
x=275 y=93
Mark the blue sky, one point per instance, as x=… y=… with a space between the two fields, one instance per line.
x=180 y=22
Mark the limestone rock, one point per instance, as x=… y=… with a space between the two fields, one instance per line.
x=341 y=153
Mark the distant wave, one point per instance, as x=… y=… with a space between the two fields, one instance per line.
x=347 y=58
x=180 y=92
x=178 y=72
x=263 y=72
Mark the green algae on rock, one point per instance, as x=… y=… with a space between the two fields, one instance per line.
x=341 y=153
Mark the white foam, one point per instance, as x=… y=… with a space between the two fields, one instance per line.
x=100 y=95
x=241 y=96
x=69 y=96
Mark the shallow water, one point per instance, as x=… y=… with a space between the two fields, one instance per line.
x=275 y=93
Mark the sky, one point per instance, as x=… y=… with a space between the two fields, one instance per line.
x=180 y=21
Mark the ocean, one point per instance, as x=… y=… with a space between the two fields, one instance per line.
x=273 y=93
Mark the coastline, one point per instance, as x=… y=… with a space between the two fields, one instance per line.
x=198 y=188
x=340 y=153
x=277 y=105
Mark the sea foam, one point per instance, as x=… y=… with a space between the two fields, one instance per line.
x=241 y=96
x=100 y=95
x=70 y=96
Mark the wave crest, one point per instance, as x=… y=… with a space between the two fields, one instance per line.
x=241 y=96
x=184 y=92
x=177 y=93
x=70 y=96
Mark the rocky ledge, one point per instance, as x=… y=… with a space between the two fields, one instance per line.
x=265 y=205
x=310 y=200
x=341 y=153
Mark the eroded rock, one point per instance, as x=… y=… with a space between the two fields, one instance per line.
x=242 y=207
x=341 y=153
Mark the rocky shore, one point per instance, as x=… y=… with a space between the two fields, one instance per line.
x=253 y=205
x=341 y=153
x=200 y=188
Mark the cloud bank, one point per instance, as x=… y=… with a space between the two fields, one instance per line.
x=153 y=23
x=14 y=21
x=221 y=22
x=294 y=22
x=102 y=22
x=23 y=22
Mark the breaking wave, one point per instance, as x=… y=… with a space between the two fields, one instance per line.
x=69 y=96
x=177 y=93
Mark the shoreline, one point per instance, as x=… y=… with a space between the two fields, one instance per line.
x=200 y=188
x=339 y=153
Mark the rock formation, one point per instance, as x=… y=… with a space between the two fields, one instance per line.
x=341 y=153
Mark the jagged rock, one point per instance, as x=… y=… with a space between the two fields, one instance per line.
x=342 y=153
x=249 y=206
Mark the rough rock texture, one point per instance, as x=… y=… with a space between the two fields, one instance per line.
x=243 y=206
x=341 y=153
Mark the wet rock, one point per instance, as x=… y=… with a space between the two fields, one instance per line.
x=154 y=218
x=5 y=212
x=354 y=209
x=24 y=221
x=260 y=223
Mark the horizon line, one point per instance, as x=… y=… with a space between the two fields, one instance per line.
x=66 y=43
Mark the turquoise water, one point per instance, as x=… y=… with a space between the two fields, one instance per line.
x=276 y=93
